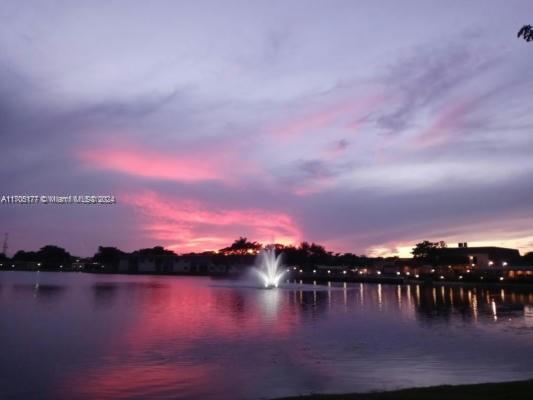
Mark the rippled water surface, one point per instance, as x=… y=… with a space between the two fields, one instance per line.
x=84 y=336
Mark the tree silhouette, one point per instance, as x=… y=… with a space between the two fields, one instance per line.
x=26 y=256
x=526 y=32
x=50 y=257
x=108 y=256
x=241 y=246
x=154 y=251
x=427 y=251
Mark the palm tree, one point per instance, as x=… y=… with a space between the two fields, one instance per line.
x=241 y=246
x=526 y=32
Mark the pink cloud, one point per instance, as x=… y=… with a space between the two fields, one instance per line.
x=150 y=164
x=444 y=126
x=344 y=113
x=189 y=225
x=204 y=164
x=311 y=187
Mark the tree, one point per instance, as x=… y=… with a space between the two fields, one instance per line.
x=319 y=255
x=155 y=251
x=25 y=256
x=278 y=247
x=427 y=251
x=241 y=246
x=108 y=256
x=53 y=257
x=526 y=32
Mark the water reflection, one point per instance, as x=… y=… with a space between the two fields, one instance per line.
x=160 y=337
x=49 y=292
x=426 y=302
x=105 y=294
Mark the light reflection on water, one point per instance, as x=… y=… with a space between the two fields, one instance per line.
x=82 y=336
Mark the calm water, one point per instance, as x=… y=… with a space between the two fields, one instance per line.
x=83 y=336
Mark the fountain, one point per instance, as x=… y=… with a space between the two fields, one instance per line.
x=269 y=269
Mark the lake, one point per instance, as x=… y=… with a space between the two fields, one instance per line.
x=94 y=336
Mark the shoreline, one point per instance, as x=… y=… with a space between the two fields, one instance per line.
x=515 y=390
x=322 y=280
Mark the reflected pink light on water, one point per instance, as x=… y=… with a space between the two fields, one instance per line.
x=193 y=312
x=121 y=381
x=182 y=319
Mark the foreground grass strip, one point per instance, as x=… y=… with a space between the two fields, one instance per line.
x=520 y=390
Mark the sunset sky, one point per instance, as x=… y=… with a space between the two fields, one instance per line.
x=365 y=126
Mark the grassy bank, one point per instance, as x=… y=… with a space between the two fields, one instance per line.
x=520 y=390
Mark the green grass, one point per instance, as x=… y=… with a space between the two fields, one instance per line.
x=520 y=390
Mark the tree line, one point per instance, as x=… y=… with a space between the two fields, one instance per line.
x=241 y=251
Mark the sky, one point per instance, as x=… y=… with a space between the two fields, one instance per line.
x=361 y=125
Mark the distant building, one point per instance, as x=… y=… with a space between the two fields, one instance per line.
x=487 y=257
x=147 y=263
x=172 y=264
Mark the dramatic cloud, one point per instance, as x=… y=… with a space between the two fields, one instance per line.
x=364 y=126
x=182 y=224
